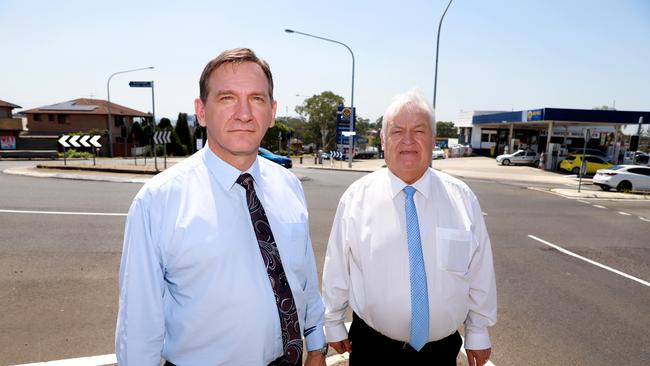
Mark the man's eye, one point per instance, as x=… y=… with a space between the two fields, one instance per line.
x=226 y=97
x=258 y=98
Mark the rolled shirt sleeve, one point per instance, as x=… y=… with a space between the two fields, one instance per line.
x=313 y=327
x=140 y=323
x=482 y=293
x=336 y=279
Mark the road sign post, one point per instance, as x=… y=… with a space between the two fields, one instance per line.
x=583 y=165
x=149 y=84
x=91 y=141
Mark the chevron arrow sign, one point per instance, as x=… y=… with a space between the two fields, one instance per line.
x=162 y=137
x=94 y=141
x=84 y=141
x=80 y=141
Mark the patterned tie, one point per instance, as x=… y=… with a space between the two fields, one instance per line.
x=419 y=294
x=291 y=339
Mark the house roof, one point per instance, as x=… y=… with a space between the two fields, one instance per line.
x=7 y=104
x=87 y=106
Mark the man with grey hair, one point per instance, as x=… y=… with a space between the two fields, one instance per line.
x=409 y=253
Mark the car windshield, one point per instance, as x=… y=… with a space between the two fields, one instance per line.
x=264 y=151
x=616 y=167
x=571 y=158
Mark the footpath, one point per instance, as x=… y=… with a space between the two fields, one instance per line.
x=129 y=171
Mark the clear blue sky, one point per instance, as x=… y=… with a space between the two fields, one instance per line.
x=494 y=55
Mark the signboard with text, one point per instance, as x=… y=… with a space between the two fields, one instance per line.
x=8 y=142
x=344 y=115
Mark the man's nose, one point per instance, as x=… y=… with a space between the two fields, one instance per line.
x=243 y=111
x=409 y=137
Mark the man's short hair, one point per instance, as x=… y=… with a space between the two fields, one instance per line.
x=412 y=101
x=234 y=56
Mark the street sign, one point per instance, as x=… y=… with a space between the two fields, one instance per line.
x=162 y=137
x=336 y=154
x=141 y=84
x=80 y=141
x=343 y=120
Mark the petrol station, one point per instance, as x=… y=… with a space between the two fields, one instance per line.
x=492 y=133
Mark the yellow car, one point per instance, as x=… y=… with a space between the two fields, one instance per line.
x=572 y=163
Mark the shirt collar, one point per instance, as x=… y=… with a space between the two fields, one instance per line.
x=422 y=185
x=226 y=174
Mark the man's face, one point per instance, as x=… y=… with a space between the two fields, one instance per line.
x=408 y=143
x=237 y=112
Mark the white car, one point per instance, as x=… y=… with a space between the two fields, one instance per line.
x=624 y=178
x=520 y=157
x=437 y=153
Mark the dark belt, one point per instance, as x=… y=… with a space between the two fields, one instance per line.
x=362 y=327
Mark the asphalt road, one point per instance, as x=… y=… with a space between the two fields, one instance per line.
x=58 y=273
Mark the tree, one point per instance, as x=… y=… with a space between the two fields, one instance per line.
x=320 y=112
x=271 y=140
x=182 y=130
x=362 y=126
x=446 y=129
x=164 y=123
x=136 y=134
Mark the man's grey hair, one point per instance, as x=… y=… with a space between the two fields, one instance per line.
x=412 y=101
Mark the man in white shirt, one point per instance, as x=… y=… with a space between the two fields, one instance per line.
x=409 y=253
x=217 y=266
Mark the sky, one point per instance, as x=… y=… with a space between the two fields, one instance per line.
x=494 y=55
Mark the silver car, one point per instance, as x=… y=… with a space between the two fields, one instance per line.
x=527 y=157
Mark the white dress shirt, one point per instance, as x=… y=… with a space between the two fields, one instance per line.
x=367 y=262
x=193 y=286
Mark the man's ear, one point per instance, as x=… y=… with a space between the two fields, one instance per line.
x=199 y=109
x=275 y=107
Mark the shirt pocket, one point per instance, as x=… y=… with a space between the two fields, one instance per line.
x=293 y=248
x=453 y=249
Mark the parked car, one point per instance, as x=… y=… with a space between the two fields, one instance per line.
x=588 y=151
x=437 y=153
x=528 y=157
x=636 y=158
x=279 y=159
x=573 y=162
x=624 y=178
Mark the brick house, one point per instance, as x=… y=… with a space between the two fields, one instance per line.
x=83 y=115
x=10 y=127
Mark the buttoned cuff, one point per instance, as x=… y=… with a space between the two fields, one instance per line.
x=336 y=333
x=316 y=339
x=476 y=340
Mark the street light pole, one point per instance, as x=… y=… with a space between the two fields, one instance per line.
x=353 y=117
x=435 y=81
x=108 y=93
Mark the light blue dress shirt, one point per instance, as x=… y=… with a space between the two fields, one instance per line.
x=193 y=286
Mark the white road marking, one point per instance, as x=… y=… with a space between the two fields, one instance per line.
x=63 y=213
x=587 y=202
x=599 y=206
x=646 y=283
x=624 y=213
x=643 y=219
x=83 y=361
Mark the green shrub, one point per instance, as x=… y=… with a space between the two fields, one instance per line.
x=74 y=154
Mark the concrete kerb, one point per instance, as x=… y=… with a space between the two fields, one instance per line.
x=465 y=168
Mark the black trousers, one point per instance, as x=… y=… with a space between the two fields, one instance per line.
x=370 y=347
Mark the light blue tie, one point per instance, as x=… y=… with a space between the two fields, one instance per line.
x=419 y=293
